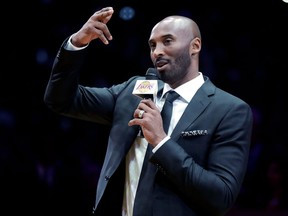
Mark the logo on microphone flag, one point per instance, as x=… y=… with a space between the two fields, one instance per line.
x=146 y=89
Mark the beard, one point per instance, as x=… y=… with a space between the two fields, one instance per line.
x=178 y=69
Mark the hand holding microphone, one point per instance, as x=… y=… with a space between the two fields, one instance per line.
x=147 y=88
x=147 y=115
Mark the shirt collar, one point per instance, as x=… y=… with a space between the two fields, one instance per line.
x=188 y=89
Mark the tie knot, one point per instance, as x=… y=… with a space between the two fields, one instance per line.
x=171 y=96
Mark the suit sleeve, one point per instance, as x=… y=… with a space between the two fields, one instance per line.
x=210 y=179
x=66 y=96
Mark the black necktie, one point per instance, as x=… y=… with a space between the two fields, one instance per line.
x=167 y=108
x=144 y=193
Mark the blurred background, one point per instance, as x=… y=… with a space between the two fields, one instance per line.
x=50 y=164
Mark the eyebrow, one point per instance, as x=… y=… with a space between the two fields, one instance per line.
x=162 y=37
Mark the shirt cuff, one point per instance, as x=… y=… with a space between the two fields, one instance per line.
x=160 y=144
x=71 y=47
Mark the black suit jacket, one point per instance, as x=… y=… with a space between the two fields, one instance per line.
x=199 y=170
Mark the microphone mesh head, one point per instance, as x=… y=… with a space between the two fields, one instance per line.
x=152 y=73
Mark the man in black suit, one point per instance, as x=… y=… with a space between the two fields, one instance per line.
x=197 y=166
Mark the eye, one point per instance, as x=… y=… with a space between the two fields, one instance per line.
x=152 y=45
x=167 y=41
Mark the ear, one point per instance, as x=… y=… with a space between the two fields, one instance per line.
x=195 y=46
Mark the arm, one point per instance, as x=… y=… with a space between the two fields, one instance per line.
x=208 y=170
x=63 y=94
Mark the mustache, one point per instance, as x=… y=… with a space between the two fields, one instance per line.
x=159 y=59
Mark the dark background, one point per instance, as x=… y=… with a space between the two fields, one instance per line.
x=50 y=164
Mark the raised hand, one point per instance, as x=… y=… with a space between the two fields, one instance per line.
x=94 y=28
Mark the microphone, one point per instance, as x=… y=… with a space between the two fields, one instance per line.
x=147 y=88
x=152 y=74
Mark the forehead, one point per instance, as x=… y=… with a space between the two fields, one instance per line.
x=169 y=26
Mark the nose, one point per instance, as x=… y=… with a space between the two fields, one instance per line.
x=157 y=51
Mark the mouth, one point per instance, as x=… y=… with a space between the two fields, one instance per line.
x=160 y=64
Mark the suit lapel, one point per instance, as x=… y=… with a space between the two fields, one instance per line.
x=196 y=106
